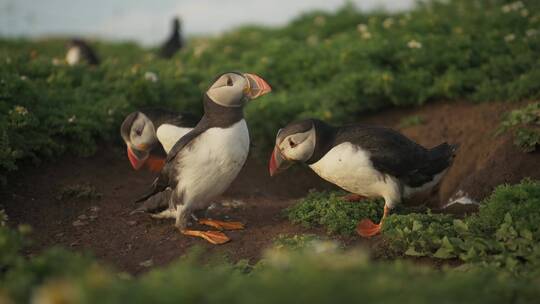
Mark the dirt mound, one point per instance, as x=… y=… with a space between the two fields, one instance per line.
x=101 y=224
x=483 y=160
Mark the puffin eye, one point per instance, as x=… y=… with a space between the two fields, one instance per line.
x=229 y=81
x=138 y=131
x=291 y=143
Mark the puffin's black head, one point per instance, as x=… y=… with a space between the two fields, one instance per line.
x=294 y=143
x=176 y=24
x=235 y=89
x=139 y=134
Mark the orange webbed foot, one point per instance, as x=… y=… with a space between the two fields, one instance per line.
x=221 y=225
x=214 y=237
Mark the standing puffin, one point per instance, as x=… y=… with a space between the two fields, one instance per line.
x=174 y=43
x=204 y=162
x=78 y=51
x=150 y=134
x=366 y=160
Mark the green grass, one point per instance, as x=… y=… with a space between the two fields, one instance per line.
x=331 y=66
x=411 y=121
x=524 y=124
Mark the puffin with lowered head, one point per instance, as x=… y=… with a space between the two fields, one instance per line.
x=78 y=51
x=204 y=162
x=150 y=134
x=366 y=160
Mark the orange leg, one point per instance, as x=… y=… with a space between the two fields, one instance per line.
x=222 y=225
x=351 y=197
x=214 y=237
x=366 y=227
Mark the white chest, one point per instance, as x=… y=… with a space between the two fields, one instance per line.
x=350 y=168
x=73 y=56
x=212 y=162
x=168 y=135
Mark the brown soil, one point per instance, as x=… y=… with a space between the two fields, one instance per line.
x=483 y=161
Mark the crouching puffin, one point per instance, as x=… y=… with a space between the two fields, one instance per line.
x=204 y=162
x=78 y=50
x=151 y=133
x=365 y=160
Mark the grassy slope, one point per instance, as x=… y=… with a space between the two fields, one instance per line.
x=331 y=66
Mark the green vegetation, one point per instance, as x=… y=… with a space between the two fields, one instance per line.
x=316 y=274
x=524 y=123
x=411 y=121
x=78 y=191
x=504 y=234
x=326 y=65
x=333 y=213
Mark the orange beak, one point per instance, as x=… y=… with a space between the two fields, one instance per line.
x=136 y=161
x=278 y=163
x=257 y=86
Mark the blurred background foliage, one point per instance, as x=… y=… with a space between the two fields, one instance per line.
x=332 y=66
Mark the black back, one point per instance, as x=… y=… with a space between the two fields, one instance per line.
x=390 y=152
x=174 y=43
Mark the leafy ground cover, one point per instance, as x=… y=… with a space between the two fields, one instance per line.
x=524 y=124
x=327 y=65
x=504 y=234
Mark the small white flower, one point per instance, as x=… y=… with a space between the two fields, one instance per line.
x=506 y=8
x=387 y=23
x=8 y=60
x=509 y=37
x=56 y=61
x=319 y=21
x=362 y=28
x=151 y=76
x=413 y=44
x=524 y=12
x=23 y=77
x=72 y=119
x=312 y=40
x=365 y=35
x=20 y=110
x=531 y=32
x=110 y=112
x=514 y=6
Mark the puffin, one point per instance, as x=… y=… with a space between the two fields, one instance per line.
x=174 y=43
x=150 y=134
x=78 y=50
x=369 y=161
x=204 y=162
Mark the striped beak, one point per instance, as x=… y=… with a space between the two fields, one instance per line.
x=278 y=163
x=256 y=86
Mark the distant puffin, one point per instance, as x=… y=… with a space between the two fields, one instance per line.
x=174 y=43
x=204 y=162
x=366 y=160
x=78 y=51
x=149 y=135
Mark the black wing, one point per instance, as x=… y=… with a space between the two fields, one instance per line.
x=390 y=151
x=168 y=177
x=161 y=116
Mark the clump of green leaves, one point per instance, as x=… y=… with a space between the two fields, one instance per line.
x=411 y=121
x=295 y=242
x=332 y=212
x=504 y=234
x=79 y=191
x=524 y=124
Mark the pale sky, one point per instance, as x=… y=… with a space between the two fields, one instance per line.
x=148 y=21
